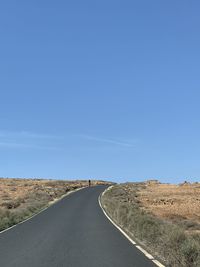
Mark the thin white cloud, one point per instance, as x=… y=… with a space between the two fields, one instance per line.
x=25 y=139
x=28 y=146
x=37 y=135
x=106 y=140
x=26 y=134
x=11 y=145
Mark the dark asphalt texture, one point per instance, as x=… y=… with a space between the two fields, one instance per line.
x=74 y=232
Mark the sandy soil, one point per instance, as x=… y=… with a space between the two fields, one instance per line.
x=172 y=202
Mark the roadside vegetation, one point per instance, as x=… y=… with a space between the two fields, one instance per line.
x=170 y=240
x=21 y=198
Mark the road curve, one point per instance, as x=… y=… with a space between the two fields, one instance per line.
x=72 y=233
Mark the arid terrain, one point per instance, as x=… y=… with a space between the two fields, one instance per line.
x=176 y=203
x=20 y=198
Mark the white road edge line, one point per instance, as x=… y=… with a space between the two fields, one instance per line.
x=149 y=256
x=49 y=205
x=158 y=263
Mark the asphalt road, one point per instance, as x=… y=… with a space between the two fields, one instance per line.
x=72 y=233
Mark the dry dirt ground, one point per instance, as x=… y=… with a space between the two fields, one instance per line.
x=172 y=202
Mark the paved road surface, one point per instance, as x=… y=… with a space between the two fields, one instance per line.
x=72 y=233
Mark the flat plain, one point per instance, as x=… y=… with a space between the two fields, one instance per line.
x=171 y=202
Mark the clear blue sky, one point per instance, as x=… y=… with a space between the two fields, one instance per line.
x=100 y=89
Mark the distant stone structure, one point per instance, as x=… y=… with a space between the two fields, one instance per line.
x=153 y=181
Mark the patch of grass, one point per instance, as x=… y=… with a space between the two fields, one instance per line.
x=167 y=240
x=15 y=211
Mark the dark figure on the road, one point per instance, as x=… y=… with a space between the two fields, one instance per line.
x=89 y=183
